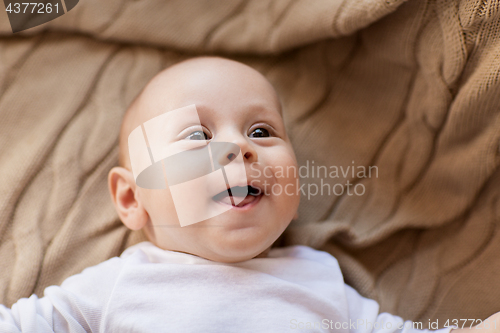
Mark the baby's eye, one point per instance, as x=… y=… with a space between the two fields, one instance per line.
x=197 y=135
x=260 y=133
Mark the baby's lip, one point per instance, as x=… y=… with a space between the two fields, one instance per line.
x=238 y=191
x=239 y=196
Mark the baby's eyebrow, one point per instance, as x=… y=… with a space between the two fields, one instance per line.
x=269 y=113
x=261 y=106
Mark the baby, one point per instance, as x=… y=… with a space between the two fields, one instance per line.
x=208 y=269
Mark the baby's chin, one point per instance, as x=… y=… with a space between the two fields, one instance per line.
x=220 y=250
x=229 y=238
x=234 y=254
x=236 y=259
x=240 y=245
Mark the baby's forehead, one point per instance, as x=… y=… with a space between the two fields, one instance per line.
x=156 y=102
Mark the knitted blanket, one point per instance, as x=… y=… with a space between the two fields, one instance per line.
x=393 y=108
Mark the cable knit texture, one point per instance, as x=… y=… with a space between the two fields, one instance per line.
x=410 y=87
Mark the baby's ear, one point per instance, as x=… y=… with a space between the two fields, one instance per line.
x=122 y=188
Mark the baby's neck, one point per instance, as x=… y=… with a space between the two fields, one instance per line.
x=264 y=254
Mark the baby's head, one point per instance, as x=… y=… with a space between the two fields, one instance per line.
x=235 y=104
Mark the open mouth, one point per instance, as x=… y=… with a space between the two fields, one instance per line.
x=233 y=196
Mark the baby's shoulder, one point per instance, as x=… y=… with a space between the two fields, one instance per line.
x=113 y=266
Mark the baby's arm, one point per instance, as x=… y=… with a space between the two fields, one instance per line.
x=364 y=317
x=482 y=328
x=76 y=306
x=363 y=312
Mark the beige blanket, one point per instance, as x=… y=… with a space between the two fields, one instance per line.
x=410 y=89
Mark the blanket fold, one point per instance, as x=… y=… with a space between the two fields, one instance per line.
x=392 y=107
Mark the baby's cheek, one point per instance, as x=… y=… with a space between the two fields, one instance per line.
x=160 y=207
x=287 y=171
x=287 y=177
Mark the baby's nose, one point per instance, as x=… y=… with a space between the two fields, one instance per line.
x=224 y=152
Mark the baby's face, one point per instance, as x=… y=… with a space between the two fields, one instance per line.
x=235 y=104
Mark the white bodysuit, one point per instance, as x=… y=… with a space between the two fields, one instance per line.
x=147 y=289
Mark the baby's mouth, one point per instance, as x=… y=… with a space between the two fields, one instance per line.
x=236 y=193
